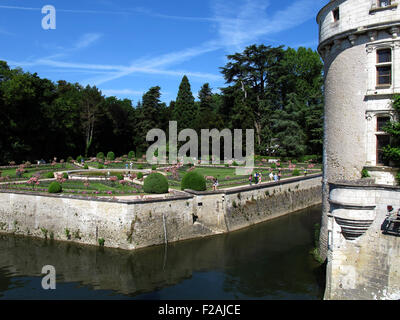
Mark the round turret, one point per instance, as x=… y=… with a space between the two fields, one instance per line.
x=359 y=43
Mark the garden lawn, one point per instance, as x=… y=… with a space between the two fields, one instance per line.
x=226 y=176
x=43 y=169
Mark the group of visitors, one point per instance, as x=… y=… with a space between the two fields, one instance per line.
x=256 y=178
x=275 y=176
x=128 y=166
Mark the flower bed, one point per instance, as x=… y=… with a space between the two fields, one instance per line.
x=79 y=187
x=22 y=172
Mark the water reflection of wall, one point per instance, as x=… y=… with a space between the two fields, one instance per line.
x=256 y=262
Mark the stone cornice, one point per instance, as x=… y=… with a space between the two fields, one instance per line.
x=352 y=34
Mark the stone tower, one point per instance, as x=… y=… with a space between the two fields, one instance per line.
x=360 y=46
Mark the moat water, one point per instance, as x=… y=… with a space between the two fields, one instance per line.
x=271 y=260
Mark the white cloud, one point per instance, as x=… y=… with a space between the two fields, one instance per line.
x=111 y=71
x=244 y=22
x=65 y=10
x=124 y=92
x=238 y=24
x=87 y=40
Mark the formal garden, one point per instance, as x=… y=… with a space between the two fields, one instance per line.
x=107 y=176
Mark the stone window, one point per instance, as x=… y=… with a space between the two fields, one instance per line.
x=384 y=67
x=336 y=15
x=382 y=140
x=384 y=3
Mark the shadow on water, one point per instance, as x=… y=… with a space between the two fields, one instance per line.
x=267 y=261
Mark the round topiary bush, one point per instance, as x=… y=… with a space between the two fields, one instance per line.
x=140 y=175
x=194 y=181
x=110 y=155
x=295 y=173
x=155 y=183
x=55 y=187
x=100 y=155
x=65 y=175
x=131 y=154
x=120 y=176
x=79 y=159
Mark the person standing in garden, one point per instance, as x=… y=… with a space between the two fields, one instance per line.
x=279 y=175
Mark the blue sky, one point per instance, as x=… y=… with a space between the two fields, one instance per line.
x=125 y=47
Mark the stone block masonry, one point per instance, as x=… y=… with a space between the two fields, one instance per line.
x=363 y=260
x=128 y=225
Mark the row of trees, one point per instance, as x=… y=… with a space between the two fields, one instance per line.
x=274 y=91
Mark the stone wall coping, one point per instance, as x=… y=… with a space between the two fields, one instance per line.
x=273 y=184
x=255 y=186
x=381 y=168
x=76 y=197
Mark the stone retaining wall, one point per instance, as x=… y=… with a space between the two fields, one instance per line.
x=136 y=224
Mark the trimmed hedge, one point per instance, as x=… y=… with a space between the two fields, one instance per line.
x=295 y=173
x=111 y=156
x=155 y=183
x=194 y=181
x=100 y=155
x=55 y=187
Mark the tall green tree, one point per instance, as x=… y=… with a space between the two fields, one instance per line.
x=207 y=117
x=253 y=71
x=184 y=109
x=149 y=111
x=302 y=76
